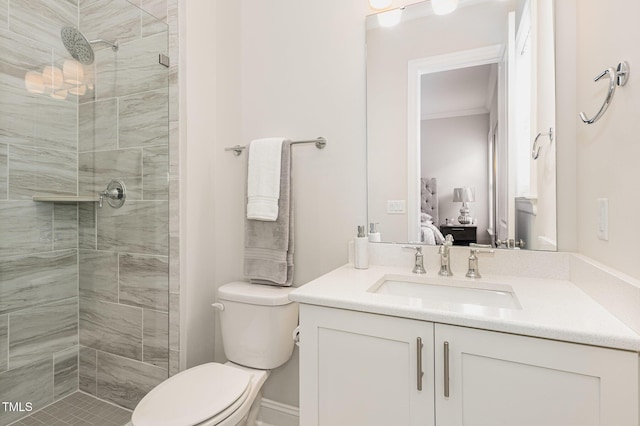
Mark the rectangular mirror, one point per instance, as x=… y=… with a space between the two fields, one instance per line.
x=460 y=122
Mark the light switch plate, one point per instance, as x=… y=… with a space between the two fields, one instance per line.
x=603 y=219
x=396 y=206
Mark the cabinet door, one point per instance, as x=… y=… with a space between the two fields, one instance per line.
x=362 y=369
x=498 y=379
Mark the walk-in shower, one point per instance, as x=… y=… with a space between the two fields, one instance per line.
x=84 y=290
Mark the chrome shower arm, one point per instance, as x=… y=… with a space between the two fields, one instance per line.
x=114 y=44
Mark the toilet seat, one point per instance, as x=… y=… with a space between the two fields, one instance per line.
x=210 y=391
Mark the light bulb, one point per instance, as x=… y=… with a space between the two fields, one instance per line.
x=380 y=4
x=78 y=90
x=59 y=94
x=34 y=82
x=443 y=7
x=73 y=72
x=52 y=77
x=390 y=18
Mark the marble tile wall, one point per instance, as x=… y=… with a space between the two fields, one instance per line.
x=144 y=281
x=155 y=328
x=124 y=253
x=113 y=371
x=4 y=13
x=38 y=241
x=88 y=370
x=41 y=331
x=89 y=297
x=65 y=372
x=42 y=19
x=65 y=226
x=31 y=383
x=4 y=151
x=28 y=281
x=4 y=342
x=111 y=327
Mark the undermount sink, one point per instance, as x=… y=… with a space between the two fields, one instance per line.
x=427 y=291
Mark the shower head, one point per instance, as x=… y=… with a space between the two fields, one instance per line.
x=79 y=47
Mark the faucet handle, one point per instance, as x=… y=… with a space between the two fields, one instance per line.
x=448 y=242
x=418 y=249
x=481 y=248
x=510 y=243
x=477 y=249
x=419 y=260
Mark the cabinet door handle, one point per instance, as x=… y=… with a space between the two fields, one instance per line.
x=446 y=369
x=419 y=372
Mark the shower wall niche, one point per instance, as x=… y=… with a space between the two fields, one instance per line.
x=84 y=291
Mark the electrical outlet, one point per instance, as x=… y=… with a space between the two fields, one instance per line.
x=603 y=219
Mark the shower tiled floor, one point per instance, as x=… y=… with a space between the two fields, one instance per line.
x=78 y=409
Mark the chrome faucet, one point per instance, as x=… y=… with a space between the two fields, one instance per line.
x=445 y=256
x=418 y=267
x=510 y=243
x=477 y=249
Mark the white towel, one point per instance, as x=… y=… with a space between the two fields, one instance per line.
x=263 y=179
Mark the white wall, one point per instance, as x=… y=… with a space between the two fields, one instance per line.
x=276 y=68
x=455 y=151
x=608 y=152
x=198 y=257
x=566 y=124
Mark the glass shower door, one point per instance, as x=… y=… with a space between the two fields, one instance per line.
x=123 y=251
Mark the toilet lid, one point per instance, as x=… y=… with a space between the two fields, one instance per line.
x=192 y=396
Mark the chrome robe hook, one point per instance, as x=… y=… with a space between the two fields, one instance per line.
x=617 y=77
x=535 y=151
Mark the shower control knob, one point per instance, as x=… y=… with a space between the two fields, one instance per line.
x=116 y=194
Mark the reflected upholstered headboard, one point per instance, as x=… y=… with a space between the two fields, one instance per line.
x=429 y=198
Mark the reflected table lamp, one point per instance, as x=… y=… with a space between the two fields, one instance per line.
x=464 y=195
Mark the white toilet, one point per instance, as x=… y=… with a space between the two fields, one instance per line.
x=257 y=323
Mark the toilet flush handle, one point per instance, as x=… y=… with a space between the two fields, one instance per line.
x=218 y=306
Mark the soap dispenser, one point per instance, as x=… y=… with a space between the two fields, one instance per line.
x=374 y=234
x=361 y=250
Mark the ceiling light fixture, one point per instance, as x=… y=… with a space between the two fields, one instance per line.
x=389 y=18
x=443 y=7
x=380 y=4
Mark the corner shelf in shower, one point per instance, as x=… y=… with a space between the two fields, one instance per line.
x=66 y=199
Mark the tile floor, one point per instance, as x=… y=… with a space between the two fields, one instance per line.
x=78 y=409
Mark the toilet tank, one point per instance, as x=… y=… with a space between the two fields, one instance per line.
x=257 y=324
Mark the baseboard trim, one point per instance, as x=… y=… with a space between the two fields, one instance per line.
x=273 y=413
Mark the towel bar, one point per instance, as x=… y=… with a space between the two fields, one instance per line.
x=320 y=144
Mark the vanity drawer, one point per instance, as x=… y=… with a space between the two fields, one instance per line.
x=462 y=235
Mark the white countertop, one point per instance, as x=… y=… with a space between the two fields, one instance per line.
x=551 y=308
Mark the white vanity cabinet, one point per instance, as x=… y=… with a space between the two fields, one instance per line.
x=498 y=379
x=362 y=369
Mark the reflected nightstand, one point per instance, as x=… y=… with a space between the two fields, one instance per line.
x=463 y=235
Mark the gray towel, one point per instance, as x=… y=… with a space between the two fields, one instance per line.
x=268 y=246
